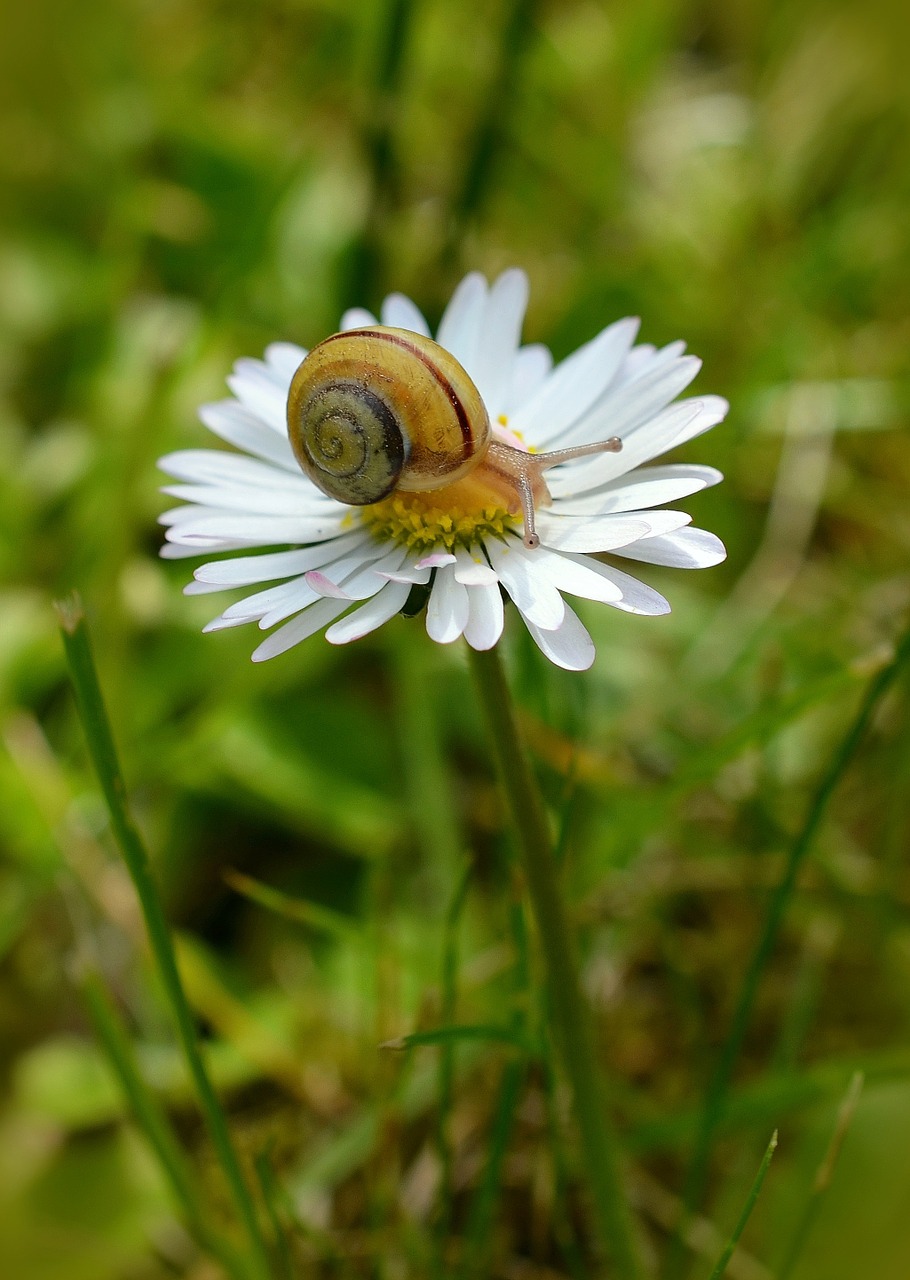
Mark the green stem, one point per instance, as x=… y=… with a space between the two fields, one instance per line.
x=569 y=1010
x=104 y=757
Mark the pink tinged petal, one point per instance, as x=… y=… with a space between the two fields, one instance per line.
x=357 y=318
x=447 y=609
x=365 y=581
x=485 y=616
x=307 y=624
x=400 y=313
x=537 y=598
x=572 y=574
x=285 y=358
x=354 y=577
x=605 y=533
x=530 y=368
x=647 y=487
x=244 y=429
x=460 y=324
x=324 y=586
x=257 y=387
x=499 y=337
x=685 y=549
x=369 y=616
x=246 y=570
x=436 y=560
x=274 y=604
x=569 y=647
x=574 y=387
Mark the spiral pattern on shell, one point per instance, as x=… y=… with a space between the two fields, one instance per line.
x=372 y=410
x=351 y=442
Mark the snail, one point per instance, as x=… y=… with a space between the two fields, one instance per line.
x=379 y=410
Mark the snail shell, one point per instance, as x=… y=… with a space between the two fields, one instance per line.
x=378 y=409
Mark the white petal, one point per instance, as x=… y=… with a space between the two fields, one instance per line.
x=605 y=533
x=369 y=616
x=409 y=573
x=258 y=387
x=401 y=313
x=485 y=616
x=571 y=574
x=499 y=336
x=667 y=430
x=357 y=318
x=646 y=357
x=573 y=387
x=173 y=550
x=285 y=358
x=447 y=609
x=254 y=500
x=636 y=596
x=537 y=599
x=254 y=530
x=531 y=366
x=474 y=572
x=685 y=549
x=569 y=647
x=246 y=570
x=241 y=427
x=642 y=488
x=217 y=466
x=460 y=324
x=307 y=624
x=623 y=410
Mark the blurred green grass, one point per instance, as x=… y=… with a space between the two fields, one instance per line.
x=183 y=183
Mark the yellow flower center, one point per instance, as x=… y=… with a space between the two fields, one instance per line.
x=426 y=521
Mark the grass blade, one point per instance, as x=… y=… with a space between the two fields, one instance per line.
x=93 y=714
x=751 y=1198
x=153 y=1122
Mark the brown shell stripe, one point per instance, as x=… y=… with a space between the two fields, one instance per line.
x=450 y=393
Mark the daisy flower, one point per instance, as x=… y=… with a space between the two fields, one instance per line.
x=589 y=423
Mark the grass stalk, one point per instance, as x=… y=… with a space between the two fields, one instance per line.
x=569 y=1011
x=93 y=714
x=154 y=1123
x=754 y=1192
x=719 y=1084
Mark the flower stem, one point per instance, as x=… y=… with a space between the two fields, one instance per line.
x=104 y=757
x=567 y=1004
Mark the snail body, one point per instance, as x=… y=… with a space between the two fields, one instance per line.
x=378 y=410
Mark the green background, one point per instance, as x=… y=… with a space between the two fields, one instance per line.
x=183 y=183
